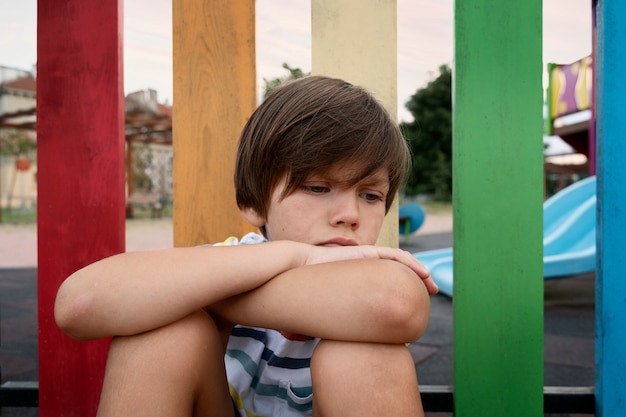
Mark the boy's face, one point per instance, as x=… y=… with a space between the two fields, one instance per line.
x=326 y=211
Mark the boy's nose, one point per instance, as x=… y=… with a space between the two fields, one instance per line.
x=345 y=211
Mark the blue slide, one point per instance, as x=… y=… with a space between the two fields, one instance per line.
x=569 y=237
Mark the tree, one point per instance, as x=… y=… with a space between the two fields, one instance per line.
x=430 y=138
x=270 y=85
x=20 y=146
x=17 y=143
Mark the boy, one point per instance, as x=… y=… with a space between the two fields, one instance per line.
x=318 y=165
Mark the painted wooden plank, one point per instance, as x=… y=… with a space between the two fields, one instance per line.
x=611 y=239
x=357 y=41
x=80 y=141
x=497 y=157
x=214 y=94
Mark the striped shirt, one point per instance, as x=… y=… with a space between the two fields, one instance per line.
x=268 y=374
x=268 y=371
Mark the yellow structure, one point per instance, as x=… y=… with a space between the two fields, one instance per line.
x=357 y=40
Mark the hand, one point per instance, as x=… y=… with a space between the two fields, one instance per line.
x=321 y=254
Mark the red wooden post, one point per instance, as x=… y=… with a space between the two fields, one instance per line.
x=80 y=139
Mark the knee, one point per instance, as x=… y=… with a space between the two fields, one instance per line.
x=176 y=369
x=333 y=359
x=326 y=353
x=178 y=348
x=329 y=352
x=364 y=378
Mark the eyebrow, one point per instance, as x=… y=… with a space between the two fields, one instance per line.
x=375 y=180
x=379 y=178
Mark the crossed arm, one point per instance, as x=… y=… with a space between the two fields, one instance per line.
x=359 y=293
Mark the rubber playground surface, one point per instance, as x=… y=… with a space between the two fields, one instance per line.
x=568 y=310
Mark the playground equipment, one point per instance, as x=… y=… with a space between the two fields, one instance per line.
x=569 y=237
x=410 y=218
x=569 y=230
x=498 y=321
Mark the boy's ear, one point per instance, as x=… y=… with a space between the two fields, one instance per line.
x=253 y=217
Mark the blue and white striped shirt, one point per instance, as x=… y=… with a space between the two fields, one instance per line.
x=268 y=371
x=268 y=374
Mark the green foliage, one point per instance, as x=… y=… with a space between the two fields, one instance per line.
x=143 y=161
x=15 y=142
x=270 y=85
x=430 y=138
x=19 y=216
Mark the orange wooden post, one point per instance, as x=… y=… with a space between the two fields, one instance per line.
x=214 y=94
x=80 y=144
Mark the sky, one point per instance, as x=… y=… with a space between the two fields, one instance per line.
x=425 y=40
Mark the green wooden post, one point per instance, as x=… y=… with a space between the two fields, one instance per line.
x=498 y=195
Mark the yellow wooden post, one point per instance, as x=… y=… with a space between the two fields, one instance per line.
x=357 y=40
x=214 y=94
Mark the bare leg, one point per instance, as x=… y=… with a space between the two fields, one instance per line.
x=177 y=370
x=364 y=379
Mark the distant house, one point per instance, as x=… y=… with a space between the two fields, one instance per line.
x=148 y=150
x=148 y=134
x=18 y=100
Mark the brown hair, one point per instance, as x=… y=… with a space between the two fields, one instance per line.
x=309 y=126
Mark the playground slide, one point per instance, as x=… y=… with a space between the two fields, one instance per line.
x=569 y=237
x=569 y=230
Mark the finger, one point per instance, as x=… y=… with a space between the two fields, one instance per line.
x=421 y=272
x=412 y=262
x=431 y=286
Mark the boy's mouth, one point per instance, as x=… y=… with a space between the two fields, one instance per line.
x=340 y=241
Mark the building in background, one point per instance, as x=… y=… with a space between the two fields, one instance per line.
x=18 y=164
x=148 y=135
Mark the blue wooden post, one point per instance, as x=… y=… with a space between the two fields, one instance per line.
x=611 y=172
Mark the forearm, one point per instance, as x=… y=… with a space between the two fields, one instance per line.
x=134 y=292
x=360 y=300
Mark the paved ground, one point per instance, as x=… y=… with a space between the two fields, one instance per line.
x=569 y=310
x=18 y=243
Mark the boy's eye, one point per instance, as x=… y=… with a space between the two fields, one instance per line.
x=372 y=197
x=315 y=189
